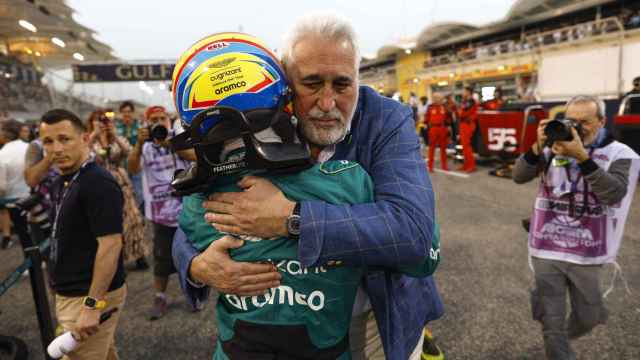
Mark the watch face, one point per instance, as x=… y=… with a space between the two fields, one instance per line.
x=294 y=225
x=90 y=302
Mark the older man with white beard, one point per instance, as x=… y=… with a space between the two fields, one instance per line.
x=341 y=121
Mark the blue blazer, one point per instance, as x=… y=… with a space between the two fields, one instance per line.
x=394 y=230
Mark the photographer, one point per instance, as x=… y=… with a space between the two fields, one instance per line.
x=111 y=150
x=153 y=156
x=587 y=184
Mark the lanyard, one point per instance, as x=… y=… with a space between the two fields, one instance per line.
x=66 y=187
x=573 y=187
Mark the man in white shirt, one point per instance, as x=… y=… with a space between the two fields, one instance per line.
x=12 y=184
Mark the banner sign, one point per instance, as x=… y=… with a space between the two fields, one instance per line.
x=122 y=72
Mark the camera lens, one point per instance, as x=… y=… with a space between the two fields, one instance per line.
x=159 y=132
x=558 y=130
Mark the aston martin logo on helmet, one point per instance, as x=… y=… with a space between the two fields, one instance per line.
x=223 y=63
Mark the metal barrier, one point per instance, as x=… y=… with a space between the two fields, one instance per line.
x=33 y=262
x=527 y=112
x=624 y=102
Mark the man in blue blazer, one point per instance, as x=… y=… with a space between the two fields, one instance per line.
x=341 y=121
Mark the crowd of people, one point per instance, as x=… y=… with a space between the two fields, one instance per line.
x=444 y=122
x=304 y=253
x=565 y=33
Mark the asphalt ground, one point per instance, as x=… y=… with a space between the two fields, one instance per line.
x=484 y=280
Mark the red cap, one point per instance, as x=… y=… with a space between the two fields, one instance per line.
x=154 y=109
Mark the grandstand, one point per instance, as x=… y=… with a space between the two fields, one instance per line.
x=40 y=36
x=540 y=51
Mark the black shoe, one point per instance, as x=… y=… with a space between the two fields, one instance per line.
x=141 y=264
x=6 y=243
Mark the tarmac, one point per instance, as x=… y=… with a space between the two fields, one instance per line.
x=484 y=280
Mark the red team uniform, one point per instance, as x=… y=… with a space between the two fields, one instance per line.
x=437 y=120
x=468 y=114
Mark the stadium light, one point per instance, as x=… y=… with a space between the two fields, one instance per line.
x=443 y=83
x=415 y=80
x=78 y=56
x=29 y=51
x=408 y=51
x=58 y=42
x=501 y=68
x=38 y=53
x=27 y=25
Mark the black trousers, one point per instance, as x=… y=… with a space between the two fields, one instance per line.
x=20 y=226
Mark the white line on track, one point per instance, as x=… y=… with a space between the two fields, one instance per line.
x=452 y=173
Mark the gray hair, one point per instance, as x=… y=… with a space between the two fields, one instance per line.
x=325 y=25
x=589 y=99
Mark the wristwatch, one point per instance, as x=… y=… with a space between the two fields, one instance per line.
x=293 y=223
x=93 y=304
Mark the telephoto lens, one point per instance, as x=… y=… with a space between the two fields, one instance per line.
x=560 y=130
x=158 y=132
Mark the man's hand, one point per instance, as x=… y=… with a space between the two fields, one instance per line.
x=143 y=134
x=542 y=138
x=260 y=210
x=87 y=324
x=573 y=148
x=215 y=268
x=111 y=129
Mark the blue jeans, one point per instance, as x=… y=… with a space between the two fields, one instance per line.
x=136 y=180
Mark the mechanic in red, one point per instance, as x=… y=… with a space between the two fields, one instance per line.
x=437 y=119
x=468 y=115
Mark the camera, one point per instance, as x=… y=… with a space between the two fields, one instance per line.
x=106 y=117
x=37 y=212
x=158 y=132
x=560 y=130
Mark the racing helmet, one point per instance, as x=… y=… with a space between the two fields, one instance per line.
x=229 y=86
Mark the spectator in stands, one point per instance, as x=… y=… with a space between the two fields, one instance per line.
x=496 y=103
x=111 y=150
x=630 y=18
x=12 y=185
x=633 y=104
x=85 y=261
x=467 y=115
x=569 y=244
x=634 y=21
x=157 y=162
